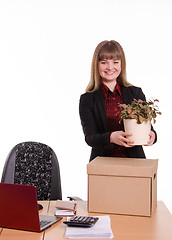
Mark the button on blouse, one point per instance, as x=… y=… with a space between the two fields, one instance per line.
x=111 y=102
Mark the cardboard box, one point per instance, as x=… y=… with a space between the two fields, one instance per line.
x=122 y=185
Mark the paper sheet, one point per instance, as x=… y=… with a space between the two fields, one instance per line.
x=101 y=229
x=63 y=212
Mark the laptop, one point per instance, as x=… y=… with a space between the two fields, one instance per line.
x=19 y=209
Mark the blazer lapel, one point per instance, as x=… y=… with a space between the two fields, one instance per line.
x=101 y=108
x=127 y=96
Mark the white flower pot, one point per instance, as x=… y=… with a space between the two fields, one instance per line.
x=140 y=132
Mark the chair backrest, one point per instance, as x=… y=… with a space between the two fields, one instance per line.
x=33 y=163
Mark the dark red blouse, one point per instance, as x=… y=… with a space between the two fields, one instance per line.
x=112 y=101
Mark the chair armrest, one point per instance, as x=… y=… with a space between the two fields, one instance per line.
x=74 y=198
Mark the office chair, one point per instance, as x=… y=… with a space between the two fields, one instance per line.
x=33 y=163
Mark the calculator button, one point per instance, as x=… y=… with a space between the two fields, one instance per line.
x=81 y=221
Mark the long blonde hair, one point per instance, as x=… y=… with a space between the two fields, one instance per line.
x=107 y=50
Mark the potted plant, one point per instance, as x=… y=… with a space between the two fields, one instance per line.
x=137 y=118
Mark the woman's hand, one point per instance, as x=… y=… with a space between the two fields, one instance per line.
x=119 y=138
x=151 y=139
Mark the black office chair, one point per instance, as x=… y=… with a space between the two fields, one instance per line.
x=33 y=163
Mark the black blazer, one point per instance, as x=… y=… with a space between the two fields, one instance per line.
x=94 y=122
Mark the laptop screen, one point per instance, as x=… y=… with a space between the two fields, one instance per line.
x=19 y=208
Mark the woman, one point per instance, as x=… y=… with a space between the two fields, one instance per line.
x=99 y=106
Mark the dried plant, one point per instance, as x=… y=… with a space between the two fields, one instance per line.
x=140 y=110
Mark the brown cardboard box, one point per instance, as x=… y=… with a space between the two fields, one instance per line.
x=122 y=185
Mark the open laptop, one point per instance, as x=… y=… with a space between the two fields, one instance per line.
x=19 y=209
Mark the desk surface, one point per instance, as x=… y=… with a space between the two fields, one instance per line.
x=157 y=227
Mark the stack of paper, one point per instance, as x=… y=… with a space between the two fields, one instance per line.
x=101 y=229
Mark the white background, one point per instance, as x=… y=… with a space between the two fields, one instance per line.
x=46 y=47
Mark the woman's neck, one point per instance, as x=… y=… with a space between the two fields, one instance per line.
x=110 y=85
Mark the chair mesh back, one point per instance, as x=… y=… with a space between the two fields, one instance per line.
x=33 y=166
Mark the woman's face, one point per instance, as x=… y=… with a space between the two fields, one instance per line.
x=109 y=69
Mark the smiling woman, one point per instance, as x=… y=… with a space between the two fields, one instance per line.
x=109 y=70
x=104 y=52
x=99 y=106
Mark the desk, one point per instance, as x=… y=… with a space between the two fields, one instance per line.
x=157 y=227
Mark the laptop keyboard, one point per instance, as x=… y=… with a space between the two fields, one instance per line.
x=43 y=223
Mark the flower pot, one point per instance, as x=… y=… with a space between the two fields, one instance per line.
x=140 y=132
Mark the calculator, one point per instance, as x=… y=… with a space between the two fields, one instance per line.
x=81 y=221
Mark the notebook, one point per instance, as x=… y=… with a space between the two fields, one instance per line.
x=19 y=209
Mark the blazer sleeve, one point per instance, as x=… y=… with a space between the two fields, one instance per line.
x=95 y=135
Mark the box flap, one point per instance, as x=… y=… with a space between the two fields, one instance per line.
x=137 y=167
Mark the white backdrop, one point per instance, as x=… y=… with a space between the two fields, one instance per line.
x=46 y=47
